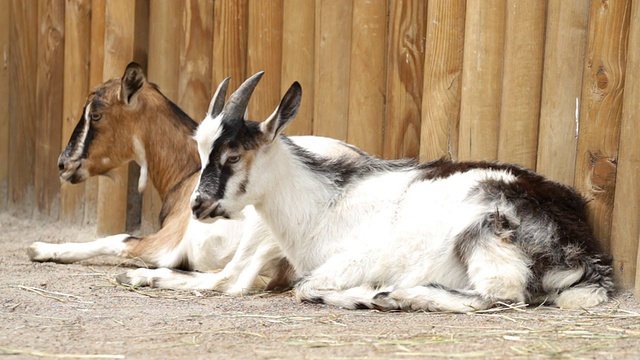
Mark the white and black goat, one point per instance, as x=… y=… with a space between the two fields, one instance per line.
x=130 y=119
x=369 y=233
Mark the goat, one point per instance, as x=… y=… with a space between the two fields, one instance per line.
x=130 y=119
x=396 y=234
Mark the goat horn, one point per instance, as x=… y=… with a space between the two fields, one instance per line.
x=238 y=101
x=217 y=102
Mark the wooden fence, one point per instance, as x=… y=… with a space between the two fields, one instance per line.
x=551 y=85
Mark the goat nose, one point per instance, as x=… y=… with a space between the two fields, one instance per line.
x=60 y=164
x=196 y=205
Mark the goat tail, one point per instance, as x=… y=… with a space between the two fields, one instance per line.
x=593 y=288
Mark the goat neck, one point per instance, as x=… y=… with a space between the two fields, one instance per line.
x=165 y=141
x=296 y=195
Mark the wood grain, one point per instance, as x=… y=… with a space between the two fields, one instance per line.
x=195 y=57
x=118 y=52
x=164 y=71
x=601 y=110
x=625 y=232
x=405 y=56
x=331 y=73
x=441 y=88
x=230 y=32
x=264 y=53
x=77 y=33
x=367 y=76
x=5 y=26
x=482 y=80
x=565 y=43
x=23 y=122
x=49 y=93
x=522 y=82
x=298 y=51
x=96 y=70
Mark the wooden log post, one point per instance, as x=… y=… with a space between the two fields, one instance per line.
x=298 y=30
x=331 y=74
x=601 y=111
x=561 y=83
x=125 y=37
x=481 y=80
x=49 y=92
x=264 y=52
x=405 y=64
x=164 y=70
x=625 y=232
x=441 y=88
x=77 y=33
x=4 y=109
x=367 y=76
x=522 y=82
x=195 y=57
x=96 y=70
x=23 y=41
x=230 y=32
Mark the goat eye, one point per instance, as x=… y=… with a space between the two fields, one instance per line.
x=95 y=116
x=233 y=159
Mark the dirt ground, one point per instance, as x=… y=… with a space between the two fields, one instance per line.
x=77 y=311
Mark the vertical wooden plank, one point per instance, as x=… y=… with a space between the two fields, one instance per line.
x=77 y=34
x=96 y=70
x=522 y=82
x=442 y=79
x=561 y=82
x=23 y=41
x=298 y=33
x=4 y=107
x=164 y=38
x=163 y=70
x=625 y=232
x=367 y=75
x=404 y=78
x=230 y=42
x=600 y=112
x=140 y=51
x=265 y=53
x=195 y=57
x=49 y=91
x=331 y=75
x=481 y=80
x=119 y=45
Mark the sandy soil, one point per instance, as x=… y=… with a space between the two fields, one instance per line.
x=77 y=311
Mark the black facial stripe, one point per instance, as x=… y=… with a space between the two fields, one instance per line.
x=77 y=132
x=234 y=135
x=88 y=139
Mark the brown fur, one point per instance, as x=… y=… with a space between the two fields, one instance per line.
x=150 y=119
x=171 y=155
x=173 y=228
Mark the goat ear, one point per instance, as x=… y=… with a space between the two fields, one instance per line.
x=217 y=101
x=285 y=112
x=132 y=82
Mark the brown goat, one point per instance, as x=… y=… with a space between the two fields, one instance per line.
x=130 y=119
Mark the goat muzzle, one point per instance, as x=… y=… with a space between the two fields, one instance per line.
x=206 y=209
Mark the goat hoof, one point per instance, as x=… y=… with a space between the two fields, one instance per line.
x=384 y=302
x=38 y=252
x=125 y=279
x=33 y=253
